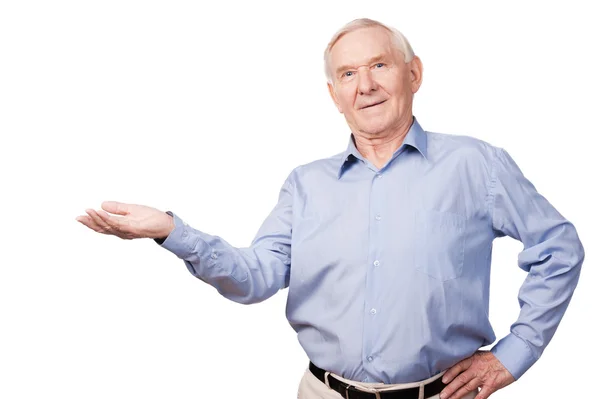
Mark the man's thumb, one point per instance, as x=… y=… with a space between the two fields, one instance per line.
x=118 y=208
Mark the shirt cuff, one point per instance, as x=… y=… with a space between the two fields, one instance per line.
x=184 y=241
x=514 y=354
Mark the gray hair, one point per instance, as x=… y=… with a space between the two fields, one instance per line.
x=397 y=37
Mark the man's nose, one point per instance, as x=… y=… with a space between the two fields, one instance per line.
x=366 y=83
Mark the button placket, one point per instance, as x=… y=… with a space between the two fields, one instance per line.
x=375 y=251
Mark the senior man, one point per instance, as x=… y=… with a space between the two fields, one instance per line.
x=386 y=247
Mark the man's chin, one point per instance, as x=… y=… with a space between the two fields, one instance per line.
x=373 y=128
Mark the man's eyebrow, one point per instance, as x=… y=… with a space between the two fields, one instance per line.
x=377 y=58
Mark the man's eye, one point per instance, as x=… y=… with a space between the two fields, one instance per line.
x=379 y=65
x=348 y=74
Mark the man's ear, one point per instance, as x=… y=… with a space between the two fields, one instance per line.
x=333 y=97
x=416 y=73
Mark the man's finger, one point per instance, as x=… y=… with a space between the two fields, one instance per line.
x=83 y=219
x=470 y=386
x=92 y=224
x=113 y=222
x=485 y=392
x=104 y=226
x=89 y=222
x=456 y=369
x=461 y=380
x=121 y=227
x=118 y=208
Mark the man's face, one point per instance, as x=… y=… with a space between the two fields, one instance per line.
x=371 y=84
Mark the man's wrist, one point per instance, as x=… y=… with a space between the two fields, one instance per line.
x=160 y=240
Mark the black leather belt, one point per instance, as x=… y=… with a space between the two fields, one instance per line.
x=351 y=392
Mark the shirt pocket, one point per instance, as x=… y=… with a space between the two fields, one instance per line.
x=440 y=244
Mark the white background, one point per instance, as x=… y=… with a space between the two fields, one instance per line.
x=204 y=109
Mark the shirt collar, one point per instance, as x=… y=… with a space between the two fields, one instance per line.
x=416 y=138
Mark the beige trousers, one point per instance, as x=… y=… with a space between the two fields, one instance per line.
x=312 y=388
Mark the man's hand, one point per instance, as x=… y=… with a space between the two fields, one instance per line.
x=483 y=370
x=137 y=221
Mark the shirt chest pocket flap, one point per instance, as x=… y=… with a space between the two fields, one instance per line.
x=440 y=243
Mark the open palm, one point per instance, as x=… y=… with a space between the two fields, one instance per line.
x=133 y=221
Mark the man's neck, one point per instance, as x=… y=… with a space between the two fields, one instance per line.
x=378 y=149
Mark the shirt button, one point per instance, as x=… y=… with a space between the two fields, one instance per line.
x=185 y=233
x=376 y=263
x=377 y=217
x=379 y=175
x=373 y=311
x=370 y=358
x=213 y=255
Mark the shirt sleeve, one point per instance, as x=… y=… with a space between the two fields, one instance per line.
x=552 y=255
x=244 y=275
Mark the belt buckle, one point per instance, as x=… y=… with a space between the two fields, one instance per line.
x=376 y=392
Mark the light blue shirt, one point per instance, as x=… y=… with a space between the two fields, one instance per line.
x=389 y=269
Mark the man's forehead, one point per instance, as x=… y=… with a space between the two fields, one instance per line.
x=362 y=45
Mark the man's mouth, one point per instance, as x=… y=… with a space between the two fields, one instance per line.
x=373 y=105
